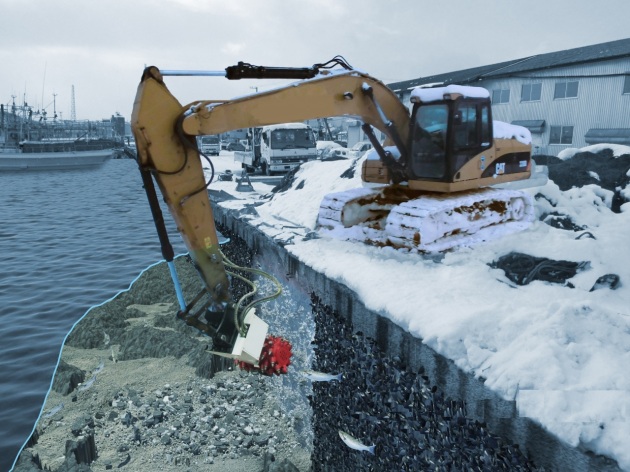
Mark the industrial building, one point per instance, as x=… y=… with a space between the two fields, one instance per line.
x=567 y=99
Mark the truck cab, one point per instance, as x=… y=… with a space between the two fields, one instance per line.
x=284 y=146
x=210 y=145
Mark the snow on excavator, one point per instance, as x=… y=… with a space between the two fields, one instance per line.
x=427 y=176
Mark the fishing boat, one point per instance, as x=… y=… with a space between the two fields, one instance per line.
x=28 y=143
x=60 y=160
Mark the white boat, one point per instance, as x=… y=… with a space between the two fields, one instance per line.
x=61 y=160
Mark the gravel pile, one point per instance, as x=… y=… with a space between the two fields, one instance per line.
x=229 y=422
x=136 y=389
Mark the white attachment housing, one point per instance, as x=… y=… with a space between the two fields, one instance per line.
x=249 y=348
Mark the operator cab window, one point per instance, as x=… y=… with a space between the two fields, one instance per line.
x=292 y=138
x=429 y=136
x=465 y=126
x=471 y=125
x=440 y=148
x=486 y=138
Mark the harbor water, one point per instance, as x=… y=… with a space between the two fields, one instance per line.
x=69 y=240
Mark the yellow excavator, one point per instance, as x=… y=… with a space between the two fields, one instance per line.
x=426 y=182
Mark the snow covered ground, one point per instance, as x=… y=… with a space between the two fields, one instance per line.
x=562 y=353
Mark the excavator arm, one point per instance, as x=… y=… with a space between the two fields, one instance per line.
x=345 y=93
x=175 y=164
x=165 y=132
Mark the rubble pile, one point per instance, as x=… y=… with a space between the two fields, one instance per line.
x=412 y=425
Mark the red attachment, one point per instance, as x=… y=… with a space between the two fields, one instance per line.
x=274 y=358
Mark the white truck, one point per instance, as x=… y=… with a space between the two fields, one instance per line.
x=278 y=148
x=209 y=144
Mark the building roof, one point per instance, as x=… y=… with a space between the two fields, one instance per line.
x=593 y=53
x=456 y=77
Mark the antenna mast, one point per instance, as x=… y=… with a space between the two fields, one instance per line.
x=73 y=111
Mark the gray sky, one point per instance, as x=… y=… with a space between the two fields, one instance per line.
x=101 y=46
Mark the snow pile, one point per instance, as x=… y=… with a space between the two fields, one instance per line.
x=426 y=95
x=503 y=130
x=560 y=351
x=372 y=154
x=315 y=179
x=323 y=145
x=285 y=126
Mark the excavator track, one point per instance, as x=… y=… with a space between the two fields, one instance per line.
x=358 y=206
x=425 y=223
x=437 y=223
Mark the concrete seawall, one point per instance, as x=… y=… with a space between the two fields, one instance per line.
x=482 y=404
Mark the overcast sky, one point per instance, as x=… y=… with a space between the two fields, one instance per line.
x=101 y=46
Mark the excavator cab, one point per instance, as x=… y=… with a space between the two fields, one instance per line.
x=453 y=145
x=446 y=134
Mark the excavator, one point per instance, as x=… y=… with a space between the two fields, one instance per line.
x=434 y=178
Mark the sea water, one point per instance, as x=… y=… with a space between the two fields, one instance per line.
x=69 y=240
